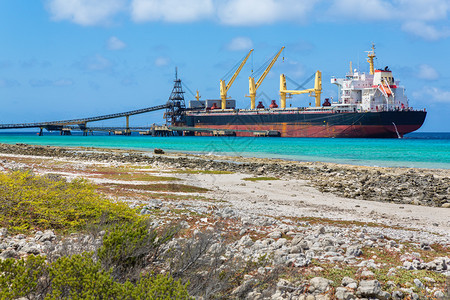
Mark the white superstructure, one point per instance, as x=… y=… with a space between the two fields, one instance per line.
x=377 y=91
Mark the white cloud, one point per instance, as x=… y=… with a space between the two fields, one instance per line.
x=162 y=61
x=429 y=10
x=366 y=10
x=258 y=12
x=427 y=72
x=433 y=95
x=115 y=44
x=176 y=11
x=240 y=43
x=425 y=31
x=416 y=17
x=85 y=12
x=402 y=10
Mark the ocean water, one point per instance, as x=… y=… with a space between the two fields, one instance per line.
x=418 y=150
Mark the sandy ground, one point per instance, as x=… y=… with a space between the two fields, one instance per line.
x=296 y=198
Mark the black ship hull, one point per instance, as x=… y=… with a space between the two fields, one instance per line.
x=304 y=123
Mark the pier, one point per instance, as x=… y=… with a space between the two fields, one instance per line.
x=65 y=127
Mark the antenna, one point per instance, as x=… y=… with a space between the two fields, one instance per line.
x=176 y=73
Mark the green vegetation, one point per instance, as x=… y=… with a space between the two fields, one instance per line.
x=32 y=202
x=162 y=187
x=120 y=268
x=127 y=248
x=79 y=277
x=138 y=177
x=191 y=171
x=337 y=274
x=402 y=276
x=165 y=196
x=260 y=178
x=20 y=277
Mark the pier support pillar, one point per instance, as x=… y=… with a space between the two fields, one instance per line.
x=41 y=132
x=127 y=129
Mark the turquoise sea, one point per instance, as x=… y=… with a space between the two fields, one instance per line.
x=419 y=150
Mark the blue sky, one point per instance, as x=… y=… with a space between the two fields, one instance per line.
x=62 y=59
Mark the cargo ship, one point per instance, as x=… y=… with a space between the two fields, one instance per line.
x=370 y=105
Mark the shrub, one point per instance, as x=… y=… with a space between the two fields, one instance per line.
x=32 y=202
x=129 y=247
x=79 y=277
x=21 y=277
x=160 y=287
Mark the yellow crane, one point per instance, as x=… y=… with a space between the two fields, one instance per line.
x=224 y=88
x=315 y=92
x=253 y=87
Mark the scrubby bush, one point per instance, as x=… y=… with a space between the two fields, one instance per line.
x=129 y=247
x=79 y=277
x=30 y=202
x=21 y=277
x=158 y=287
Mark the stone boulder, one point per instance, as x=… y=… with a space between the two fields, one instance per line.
x=349 y=282
x=368 y=288
x=343 y=293
x=319 y=285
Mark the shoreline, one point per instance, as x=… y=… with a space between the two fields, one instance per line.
x=351 y=152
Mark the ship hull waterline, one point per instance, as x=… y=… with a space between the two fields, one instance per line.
x=391 y=124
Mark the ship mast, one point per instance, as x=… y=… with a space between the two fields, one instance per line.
x=370 y=56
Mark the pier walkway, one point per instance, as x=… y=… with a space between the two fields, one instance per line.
x=66 y=125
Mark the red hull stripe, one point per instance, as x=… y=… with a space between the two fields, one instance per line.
x=350 y=131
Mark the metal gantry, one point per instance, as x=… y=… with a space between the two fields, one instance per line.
x=176 y=106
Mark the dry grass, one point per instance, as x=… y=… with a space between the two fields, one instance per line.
x=137 y=177
x=160 y=187
x=190 y=171
x=260 y=178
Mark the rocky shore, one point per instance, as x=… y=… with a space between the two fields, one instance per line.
x=305 y=230
x=398 y=185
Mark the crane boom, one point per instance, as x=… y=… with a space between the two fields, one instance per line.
x=224 y=89
x=266 y=71
x=254 y=86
